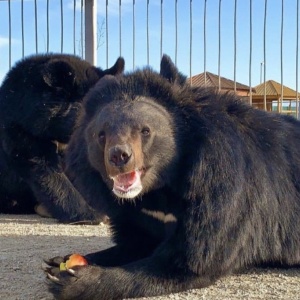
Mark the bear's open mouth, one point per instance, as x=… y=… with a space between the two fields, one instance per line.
x=128 y=185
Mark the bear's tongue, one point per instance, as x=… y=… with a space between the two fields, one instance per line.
x=128 y=185
x=125 y=181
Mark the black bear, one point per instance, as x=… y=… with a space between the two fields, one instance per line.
x=40 y=99
x=197 y=185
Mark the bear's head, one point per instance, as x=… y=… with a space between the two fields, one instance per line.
x=130 y=131
x=42 y=94
x=66 y=82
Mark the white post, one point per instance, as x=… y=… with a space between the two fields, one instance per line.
x=90 y=19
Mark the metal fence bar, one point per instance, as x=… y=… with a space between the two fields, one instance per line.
x=250 y=55
x=22 y=27
x=106 y=29
x=191 y=39
x=204 y=42
x=61 y=27
x=234 y=45
x=48 y=28
x=91 y=32
x=161 y=27
x=81 y=29
x=120 y=27
x=148 y=56
x=265 y=56
x=9 y=33
x=36 y=26
x=219 y=54
x=133 y=34
x=176 y=31
x=74 y=27
x=281 y=55
x=297 y=59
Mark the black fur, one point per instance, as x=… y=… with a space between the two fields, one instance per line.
x=222 y=177
x=39 y=102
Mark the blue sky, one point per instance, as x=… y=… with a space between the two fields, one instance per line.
x=273 y=51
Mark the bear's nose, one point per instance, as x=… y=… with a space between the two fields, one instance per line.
x=119 y=155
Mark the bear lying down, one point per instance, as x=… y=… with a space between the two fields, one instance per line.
x=40 y=99
x=197 y=185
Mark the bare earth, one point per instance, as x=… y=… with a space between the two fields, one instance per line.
x=26 y=240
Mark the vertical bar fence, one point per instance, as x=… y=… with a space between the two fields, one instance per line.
x=162 y=29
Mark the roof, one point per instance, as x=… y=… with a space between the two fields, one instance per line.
x=273 y=88
x=212 y=80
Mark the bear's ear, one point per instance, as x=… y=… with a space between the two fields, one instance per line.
x=116 y=69
x=58 y=74
x=169 y=71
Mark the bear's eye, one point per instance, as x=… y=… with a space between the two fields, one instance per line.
x=101 y=136
x=145 y=131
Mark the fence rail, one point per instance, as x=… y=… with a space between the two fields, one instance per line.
x=243 y=40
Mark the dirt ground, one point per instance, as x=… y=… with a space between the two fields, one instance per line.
x=26 y=240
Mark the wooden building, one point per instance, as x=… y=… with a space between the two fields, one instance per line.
x=273 y=90
x=225 y=85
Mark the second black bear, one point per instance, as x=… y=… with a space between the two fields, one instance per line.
x=197 y=185
x=39 y=102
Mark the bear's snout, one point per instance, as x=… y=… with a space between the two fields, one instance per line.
x=120 y=155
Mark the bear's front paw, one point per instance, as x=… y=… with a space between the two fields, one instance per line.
x=74 y=282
